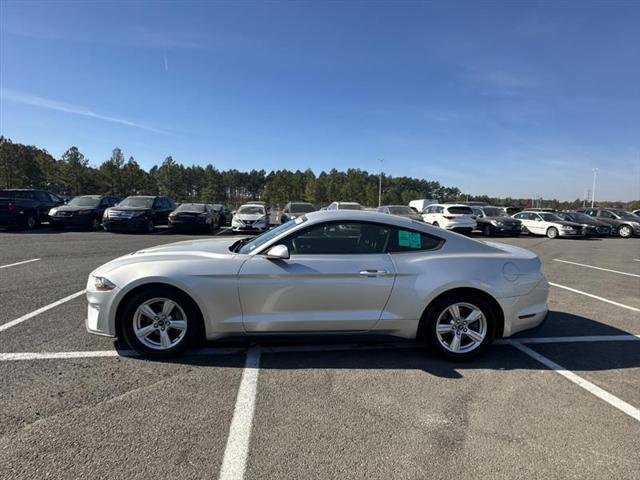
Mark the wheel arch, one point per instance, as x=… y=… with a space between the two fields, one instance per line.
x=495 y=306
x=155 y=284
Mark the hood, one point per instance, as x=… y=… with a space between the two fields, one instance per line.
x=251 y=217
x=71 y=208
x=196 y=250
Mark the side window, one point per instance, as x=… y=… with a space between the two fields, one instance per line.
x=42 y=197
x=411 y=241
x=605 y=214
x=439 y=209
x=104 y=203
x=157 y=203
x=339 y=238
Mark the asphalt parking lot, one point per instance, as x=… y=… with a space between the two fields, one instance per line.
x=561 y=401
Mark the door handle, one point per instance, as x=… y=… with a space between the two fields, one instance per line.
x=373 y=273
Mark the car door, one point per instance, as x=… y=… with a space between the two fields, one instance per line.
x=337 y=278
x=44 y=203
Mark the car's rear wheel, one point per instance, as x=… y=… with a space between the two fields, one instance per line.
x=30 y=221
x=95 y=223
x=552 y=232
x=460 y=326
x=625 y=231
x=487 y=231
x=160 y=322
x=148 y=226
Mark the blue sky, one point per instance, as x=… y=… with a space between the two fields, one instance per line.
x=500 y=98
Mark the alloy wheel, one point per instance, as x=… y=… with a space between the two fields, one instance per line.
x=160 y=323
x=461 y=328
x=625 y=231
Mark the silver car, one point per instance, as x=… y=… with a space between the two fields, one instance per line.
x=330 y=272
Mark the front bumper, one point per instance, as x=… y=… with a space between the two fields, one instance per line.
x=99 y=320
x=527 y=311
x=248 y=228
x=128 y=224
x=72 y=221
x=570 y=233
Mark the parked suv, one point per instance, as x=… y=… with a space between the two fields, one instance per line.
x=294 y=210
x=139 y=213
x=83 y=211
x=623 y=223
x=494 y=221
x=458 y=218
x=549 y=224
x=26 y=208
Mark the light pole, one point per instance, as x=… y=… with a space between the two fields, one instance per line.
x=593 y=189
x=380 y=186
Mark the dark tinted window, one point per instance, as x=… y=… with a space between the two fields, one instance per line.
x=411 y=241
x=460 y=210
x=43 y=197
x=84 y=202
x=340 y=238
x=137 y=202
x=301 y=208
x=606 y=214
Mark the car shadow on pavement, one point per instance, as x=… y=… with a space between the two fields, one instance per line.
x=381 y=353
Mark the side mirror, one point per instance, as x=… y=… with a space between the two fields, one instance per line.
x=279 y=252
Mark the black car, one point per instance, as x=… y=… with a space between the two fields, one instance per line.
x=510 y=210
x=138 y=213
x=26 y=208
x=294 y=210
x=224 y=213
x=622 y=223
x=83 y=211
x=402 y=211
x=495 y=221
x=194 y=216
x=591 y=227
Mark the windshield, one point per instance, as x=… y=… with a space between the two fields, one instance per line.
x=494 y=212
x=624 y=214
x=550 y=217
x=84 y=202
x=191 y=207
x=250 y=246
x=301 y=208
x=137 y=202
x=401 y=211
x=350 y=206
x=251 y=210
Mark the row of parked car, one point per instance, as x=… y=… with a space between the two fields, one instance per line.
x=28 y=208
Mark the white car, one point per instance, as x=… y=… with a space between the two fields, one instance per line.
x=549 y=224
x=345 y=206
x=459 y=218
x=331 y=272
x=250 y=218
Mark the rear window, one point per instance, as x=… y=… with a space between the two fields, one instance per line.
x=301 y=208
x=401 y=211
x=350 y=206
x=191 y=207
x=411 y=241
x=460 y=210
x=16 y=194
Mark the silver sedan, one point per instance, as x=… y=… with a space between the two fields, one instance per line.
x=356 y=272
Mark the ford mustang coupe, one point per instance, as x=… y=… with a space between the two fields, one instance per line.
x=331 y=272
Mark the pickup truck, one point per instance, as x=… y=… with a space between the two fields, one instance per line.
x=26 y=208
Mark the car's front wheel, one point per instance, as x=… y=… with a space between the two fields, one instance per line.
x=160 y=322
x=552 y=232
x=487 y=231
x=460 y=326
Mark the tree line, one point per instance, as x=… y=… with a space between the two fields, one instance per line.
x=27 y=166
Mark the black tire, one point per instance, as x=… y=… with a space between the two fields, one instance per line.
x=487 y=231
x=212 y=227
x=149 y=226
x=193 y=320
x=552 y=232
x=95 y=223
x=429 y=322
x=30 y=221
x=625 y=231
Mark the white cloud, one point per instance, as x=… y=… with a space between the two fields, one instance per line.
x=35 y=101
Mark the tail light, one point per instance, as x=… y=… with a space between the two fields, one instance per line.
x=449 y=217
x=12 y=208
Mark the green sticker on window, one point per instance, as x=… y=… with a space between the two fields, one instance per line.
x=409 y=239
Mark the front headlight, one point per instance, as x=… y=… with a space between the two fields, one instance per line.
x=103 y=284
x=105 y=214
x=566 y=227
x=496 y=222
x=52 y=212
x=235 y=222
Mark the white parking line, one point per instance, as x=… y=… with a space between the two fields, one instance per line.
x=581 y=382
x=582 y=339
x=19 y=263
x=11 y=357
x=597 y=268
x=595 y=296
x=234 y=461
x=15 y=322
